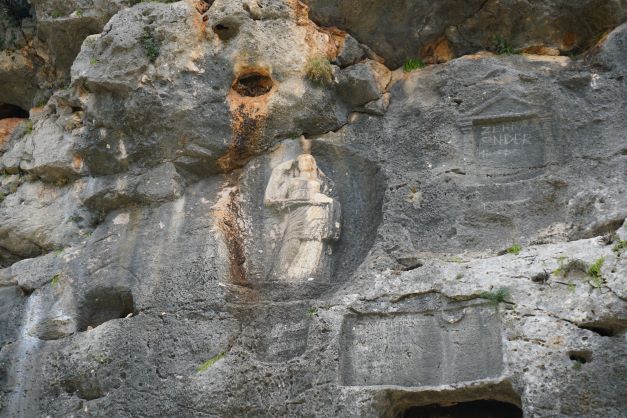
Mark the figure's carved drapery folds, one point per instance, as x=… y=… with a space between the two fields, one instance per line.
x=309 y=218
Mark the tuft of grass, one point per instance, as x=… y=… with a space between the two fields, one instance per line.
x=572 y=287
x=514 y=249
x=55 y=280
x=151 y=46
x=2 y=196
x=620 y=246
x=594 y=271
x=312 y=311
x=595 y=268
x=56 y=14
x=502 y=47
x=413 y=64
x=319 y=70
x=93 y=61
x=210 y=362
x=501 y=295
x=79 y=12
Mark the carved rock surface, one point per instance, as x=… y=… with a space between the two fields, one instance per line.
x=192 y=225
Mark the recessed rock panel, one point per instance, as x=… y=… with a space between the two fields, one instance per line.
x=506 y=139
x=415 y=347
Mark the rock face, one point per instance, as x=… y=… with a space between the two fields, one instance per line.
x=223 y=209
x=431 y=29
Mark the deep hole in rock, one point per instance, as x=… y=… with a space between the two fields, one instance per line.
x=226 y=30
x=605 y=328
x=12 y=111
x=104 y=304
x=580 y=356
x=473 y=409
x=253 y=85
x=16 y=9
x=604 y=332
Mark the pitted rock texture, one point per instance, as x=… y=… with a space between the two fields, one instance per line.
x=191 y=225
x=439 y=30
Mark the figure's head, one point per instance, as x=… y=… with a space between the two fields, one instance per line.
x=307 y=164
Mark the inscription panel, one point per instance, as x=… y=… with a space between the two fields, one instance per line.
x=509 y=144
x=421 y=349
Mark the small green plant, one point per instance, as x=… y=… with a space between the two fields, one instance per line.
x=319 y=70
x=151 y=46
x=28 y=126
x=594 y=271
x=502 y=47
x=312 y=311
x=501 y=295
x=79 y=13
x=93 y=61
x=56 y=14
x=413 y=64
x=210 y=362
x=514 y=249
x=459 y=276
x=55 y=280
x=620 y=246
x=577 y=364
x=2 y=196
x=572 y=287
x=595 y=268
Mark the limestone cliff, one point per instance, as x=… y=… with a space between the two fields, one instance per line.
x=275 y=208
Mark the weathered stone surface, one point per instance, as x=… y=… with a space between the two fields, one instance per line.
x=364 y=82
x=407 y=28
x=423 y=342
x=38 y=218
x=194 y=227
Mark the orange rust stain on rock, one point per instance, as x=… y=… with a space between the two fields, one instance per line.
x=438 y=51
x=301 y=11
x=248 y=117
x=199 y=20
x=569 y=41
x=6 y=128
x=541 y=50
x=77 y=162
x=228 y=221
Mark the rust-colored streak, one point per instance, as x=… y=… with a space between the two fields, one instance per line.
x=6 y=128
x=437 y=52
x=199 y=18
x=248 y=117
x=228 y=220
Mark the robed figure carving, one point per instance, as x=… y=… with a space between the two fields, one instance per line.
x=309 y=219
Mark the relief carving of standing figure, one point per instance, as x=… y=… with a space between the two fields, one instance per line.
x=310 y=218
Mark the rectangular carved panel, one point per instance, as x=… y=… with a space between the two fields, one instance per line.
x=421 y=349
